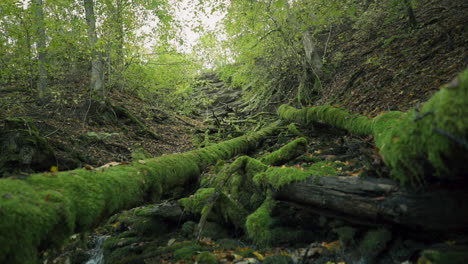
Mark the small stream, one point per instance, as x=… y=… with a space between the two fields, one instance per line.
x=97 y=253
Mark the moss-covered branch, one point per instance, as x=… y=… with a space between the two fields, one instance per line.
x=432 y=140
x=45 y=208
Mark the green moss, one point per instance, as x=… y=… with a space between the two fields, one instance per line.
x=278 y=259
x=187 y=251
x=214 y=230
x=115 y=242
x=149 y=226
x=324 y=168
x=293 y=130
x=431 y=141
x=240 y=185
x=447 y=256
x=330 y=115
x=231 y=210
x=228 y=244
x=196 y=202
x=280 y=176
x=374 y=242
x=188 y=228
x=46 y=208
x=346 y=234
x=286 y=153
x=206 y=257
x=259 y=223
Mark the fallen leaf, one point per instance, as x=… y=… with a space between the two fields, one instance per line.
x=258 y=255
x=332 y=246
x=54 y=169
x=171 y=241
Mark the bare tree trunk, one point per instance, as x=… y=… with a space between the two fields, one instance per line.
x=41 y=46
x=97 y=67
x=411 y=17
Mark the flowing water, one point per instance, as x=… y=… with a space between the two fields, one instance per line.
x=97 y=253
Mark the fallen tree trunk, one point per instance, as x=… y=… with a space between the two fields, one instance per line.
x=431 y=141
x=370 y=201
x=44 y=209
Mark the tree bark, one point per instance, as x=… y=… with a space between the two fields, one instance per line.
x=44 y=209
x=41 y=48
x=97 y=67
x=369 y=200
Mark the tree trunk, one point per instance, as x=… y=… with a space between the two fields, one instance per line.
x=44 y=209
x=97 y=67
x=419 y=146
x=41 y=47
x=368 y=200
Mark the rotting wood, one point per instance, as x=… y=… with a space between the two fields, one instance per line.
x=381 y=200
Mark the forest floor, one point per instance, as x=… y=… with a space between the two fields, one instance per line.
x=391 y=67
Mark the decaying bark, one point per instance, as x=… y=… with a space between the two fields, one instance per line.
x=370 y=200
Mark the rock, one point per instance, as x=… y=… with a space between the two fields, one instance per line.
x=23 y=148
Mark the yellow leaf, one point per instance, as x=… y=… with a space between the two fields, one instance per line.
x=258 y=255
x=116 y=224
x=332 y=246
x=54 y=169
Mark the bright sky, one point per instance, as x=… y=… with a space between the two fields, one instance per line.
x=189 y=16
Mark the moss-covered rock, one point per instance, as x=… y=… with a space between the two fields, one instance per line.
x=374 y=242
x=346 y=235
x=23 y=148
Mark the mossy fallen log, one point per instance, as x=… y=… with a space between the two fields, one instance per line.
x=430 y=141
x=44 y=209
x=235 y=194
x=286 y=153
